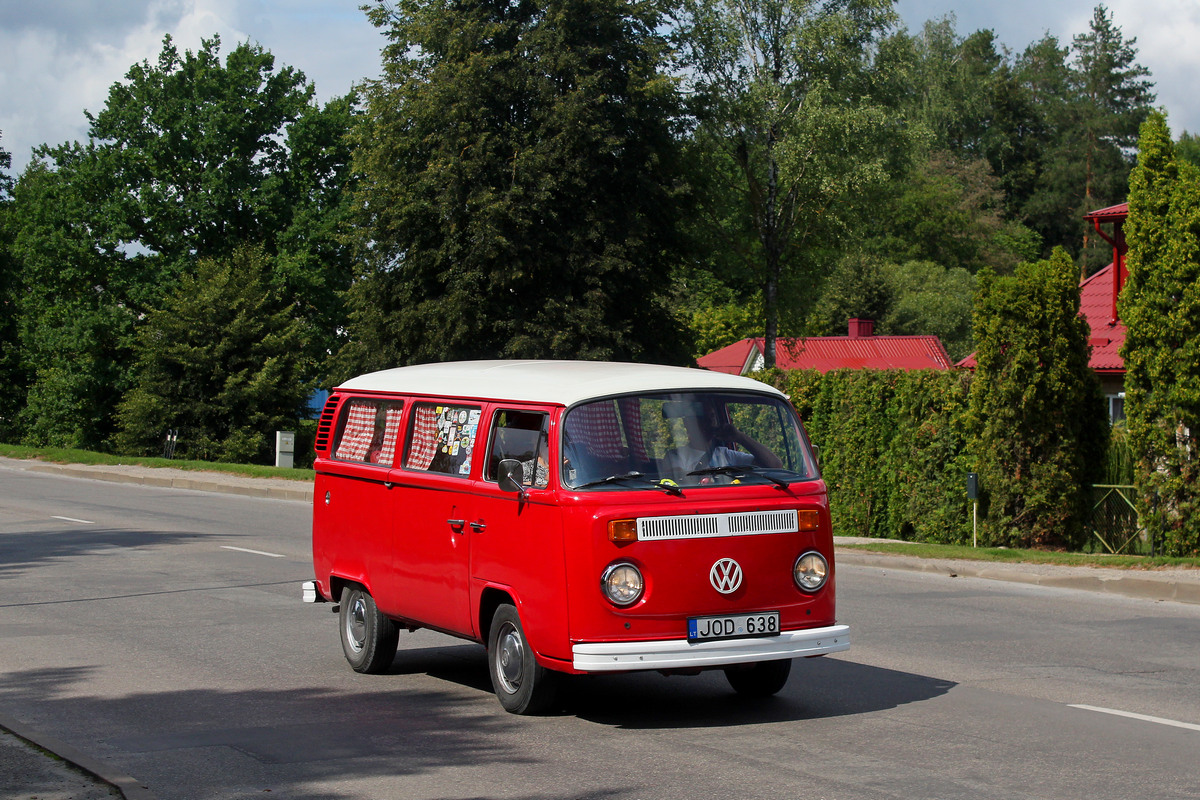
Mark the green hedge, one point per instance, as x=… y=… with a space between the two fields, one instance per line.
x=892 y=447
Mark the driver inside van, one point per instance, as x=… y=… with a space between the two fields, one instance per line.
x=711 y=444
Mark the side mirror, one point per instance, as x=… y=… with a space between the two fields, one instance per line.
x=510 y=474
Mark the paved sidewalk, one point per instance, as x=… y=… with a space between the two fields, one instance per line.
x=29 y=772
x=1176 y=584
x=274 y=488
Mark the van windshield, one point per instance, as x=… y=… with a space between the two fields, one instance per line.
x=683 y=439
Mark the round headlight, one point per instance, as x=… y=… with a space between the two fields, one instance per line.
x=810 y=571
x=622 y=584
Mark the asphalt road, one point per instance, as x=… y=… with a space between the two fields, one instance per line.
x=159 y=632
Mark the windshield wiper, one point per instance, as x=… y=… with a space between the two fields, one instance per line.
x=741 y=472
x=634 y=476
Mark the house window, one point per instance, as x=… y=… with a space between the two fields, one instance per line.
x=1116 y=408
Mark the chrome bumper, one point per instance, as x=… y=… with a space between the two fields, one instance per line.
x=682 y=654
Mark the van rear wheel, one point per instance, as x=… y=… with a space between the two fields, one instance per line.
x=761 y=679
x=368 y=637
x=522 y=685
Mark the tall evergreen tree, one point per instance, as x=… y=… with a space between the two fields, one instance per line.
x=223 y=362
x=519 y=185
x=1086 y=163
x=1161 y=309
x=1037 y=417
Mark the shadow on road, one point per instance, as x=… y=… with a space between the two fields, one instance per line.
x=818 y=688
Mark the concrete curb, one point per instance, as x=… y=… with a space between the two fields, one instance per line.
x=130 y=788
x=1176 y=585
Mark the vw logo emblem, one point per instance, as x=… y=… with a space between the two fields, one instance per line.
x=725 y=576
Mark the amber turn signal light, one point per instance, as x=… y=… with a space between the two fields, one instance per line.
x=622 y=531
x=809 y=519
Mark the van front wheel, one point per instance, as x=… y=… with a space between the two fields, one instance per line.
x=368 y=637
x=523 y=685
x=762 y=679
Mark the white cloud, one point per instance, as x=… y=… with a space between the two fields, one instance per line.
x=1168 y=44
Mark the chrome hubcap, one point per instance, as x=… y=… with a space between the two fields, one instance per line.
x=510 y=660
x=356 y=625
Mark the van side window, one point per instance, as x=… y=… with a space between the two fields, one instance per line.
x=369 y=431
x=524 y=436
x=441 y=438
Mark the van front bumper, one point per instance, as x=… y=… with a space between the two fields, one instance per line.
x=682 y=654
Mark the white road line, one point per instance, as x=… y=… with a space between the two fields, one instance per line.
x=255 y=552
x=1143 y=717
x=72 y=519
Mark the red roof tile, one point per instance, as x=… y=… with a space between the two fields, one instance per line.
x=825 y=353
x=1095 y=305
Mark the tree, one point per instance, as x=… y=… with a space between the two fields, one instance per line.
x=1086 y=164
x=1188 y=148
x=223 y=361
x=950 y=211
x=519 y=194
x=783 y=98
x=74 y=320
x=1161 y=309
x=929 y=299
x=191 y=157
x=10 y=372
x=1037 y=420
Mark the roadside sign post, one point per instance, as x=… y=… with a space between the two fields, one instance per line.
x=973 y=496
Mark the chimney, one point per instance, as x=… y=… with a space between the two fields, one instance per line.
x=860 y=328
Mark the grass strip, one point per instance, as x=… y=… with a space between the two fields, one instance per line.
x=59 y=455
x=1015 y=556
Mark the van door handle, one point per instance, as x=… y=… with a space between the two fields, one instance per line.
x=478 y=527
x=456 y=525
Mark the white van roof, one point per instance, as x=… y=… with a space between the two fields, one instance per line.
x=559 y=382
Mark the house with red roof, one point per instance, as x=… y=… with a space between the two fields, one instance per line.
x=1098 y=305
x=859 y=349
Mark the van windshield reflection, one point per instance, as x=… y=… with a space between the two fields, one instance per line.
x=683 y=439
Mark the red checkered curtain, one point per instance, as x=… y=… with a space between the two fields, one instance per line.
x=423 y=446
x=391 y=432
x=358 y=433
x=631 y=412
x=595 y=426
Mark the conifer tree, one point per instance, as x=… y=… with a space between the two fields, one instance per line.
x=1161 y=309
x=1036 y=414
x=223 y=362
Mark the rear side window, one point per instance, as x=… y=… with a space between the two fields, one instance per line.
x=369 y=431
x=441 y=438
x=524 y=436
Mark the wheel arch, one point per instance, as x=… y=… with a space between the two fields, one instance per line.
x=490 y=599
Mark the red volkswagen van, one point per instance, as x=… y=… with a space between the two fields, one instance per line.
x=574 y=517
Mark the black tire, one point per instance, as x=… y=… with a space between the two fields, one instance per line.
x=761 y=679
x=368 y=637
x=522 y=685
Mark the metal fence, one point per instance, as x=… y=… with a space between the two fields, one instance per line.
x=1114 y=524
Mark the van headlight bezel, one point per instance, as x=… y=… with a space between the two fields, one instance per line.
x=810 y=571
x=622 y=584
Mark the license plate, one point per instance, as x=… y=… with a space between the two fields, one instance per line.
x=733 y=626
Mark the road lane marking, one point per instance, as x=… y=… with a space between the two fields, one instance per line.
x=1143 y=717
x=72 y=519
x=255 y=552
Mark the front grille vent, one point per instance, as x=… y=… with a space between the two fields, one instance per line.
x=705 y=526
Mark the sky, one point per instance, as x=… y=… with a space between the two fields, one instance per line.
x=59 y=57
